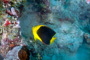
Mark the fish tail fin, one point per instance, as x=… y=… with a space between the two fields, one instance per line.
x=52 y=40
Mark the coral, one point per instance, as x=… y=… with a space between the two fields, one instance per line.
x=24 y=53
x=7 y=44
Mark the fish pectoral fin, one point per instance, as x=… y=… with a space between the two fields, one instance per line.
x=52 y=40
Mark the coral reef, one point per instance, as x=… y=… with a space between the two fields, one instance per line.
x=70 y=19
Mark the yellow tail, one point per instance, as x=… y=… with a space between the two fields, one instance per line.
x=52 y=40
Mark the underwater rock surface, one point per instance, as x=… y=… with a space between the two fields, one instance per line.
x=68 y=21
x=13 y=54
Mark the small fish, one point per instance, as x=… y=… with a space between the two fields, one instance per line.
x=6 y=23
x=44 y=34
x=88 y=1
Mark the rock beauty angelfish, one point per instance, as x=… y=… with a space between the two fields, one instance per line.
x=44 y=34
